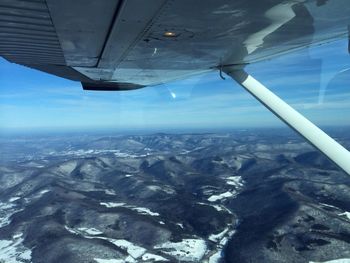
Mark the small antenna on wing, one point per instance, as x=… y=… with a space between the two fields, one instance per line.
x=349 y=39
x=220 y=72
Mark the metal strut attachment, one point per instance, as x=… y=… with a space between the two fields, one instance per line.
x=332 y=149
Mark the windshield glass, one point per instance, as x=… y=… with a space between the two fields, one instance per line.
x=195 y=170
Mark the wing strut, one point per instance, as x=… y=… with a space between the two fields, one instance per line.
x=332 y=149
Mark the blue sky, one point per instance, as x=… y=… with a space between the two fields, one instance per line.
x=31 y=100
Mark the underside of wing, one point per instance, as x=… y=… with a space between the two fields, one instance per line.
x=128 y=44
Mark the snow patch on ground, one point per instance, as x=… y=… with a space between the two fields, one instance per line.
x=13 y=199
x=221 y=240
x=180 y=225
x=110 y=192
x=331 y=206
x=235 y=180
x=90 y=231
x=6 y=211
x=144 y=211
x=71 y=230
x=218 y=208
x=346 y=214
x=13 y=251
x=67 y=167
x=149 y=256
x=111 y=204
x=4 y=206
x=168 y=190
x=217 y=237
x=215 y=198
x=90 y=169
x=100 y=260
x=215 y=258
x=84 y=231
x=17 y=235
x=186 y=250
x=341 y=260
x=130 y=259
x=154 y=188
x=140 y=210
x=44 y=191
x=133 y=250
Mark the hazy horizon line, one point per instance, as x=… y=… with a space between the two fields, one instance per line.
x=146 y=130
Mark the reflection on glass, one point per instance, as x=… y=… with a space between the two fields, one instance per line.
x=192 y=171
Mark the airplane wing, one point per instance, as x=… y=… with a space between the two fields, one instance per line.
x=128 y=44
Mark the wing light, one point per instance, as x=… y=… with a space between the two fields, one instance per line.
x=169 y=34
